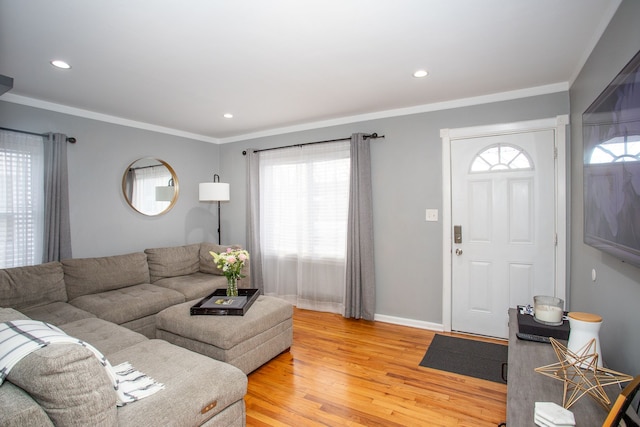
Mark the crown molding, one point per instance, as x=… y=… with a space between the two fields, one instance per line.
x=79 y=112
x=426 y=108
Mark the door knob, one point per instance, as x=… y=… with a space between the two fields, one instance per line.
x=458 y=251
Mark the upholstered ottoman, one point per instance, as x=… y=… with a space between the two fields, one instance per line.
x=246 y=342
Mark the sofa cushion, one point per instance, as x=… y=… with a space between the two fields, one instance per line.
x=107 y=337
x=32 y=286
x=145 y=326
x=130 y=303
x=173 y=261
x=85 y=276
x=192 y=384
x=70 y=384
x=194 y=286
x=57 y=313
x=19 y=409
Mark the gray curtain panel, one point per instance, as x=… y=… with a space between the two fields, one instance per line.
x=360 y=285
x=253 y=219
x=57 y=231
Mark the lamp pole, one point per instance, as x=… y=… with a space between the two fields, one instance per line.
x=216 y=178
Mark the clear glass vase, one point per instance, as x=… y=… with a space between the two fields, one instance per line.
x=232 y=286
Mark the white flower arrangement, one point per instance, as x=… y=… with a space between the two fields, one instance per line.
x=231 y=262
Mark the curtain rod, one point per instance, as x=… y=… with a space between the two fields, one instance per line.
x=69 y=139
x=373 y=136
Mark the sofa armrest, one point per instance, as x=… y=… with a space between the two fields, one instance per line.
x=19 y=409
x=69 y=383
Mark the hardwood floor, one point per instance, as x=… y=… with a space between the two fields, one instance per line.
x=343 y=372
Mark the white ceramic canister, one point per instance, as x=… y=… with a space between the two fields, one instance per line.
x=584 y=327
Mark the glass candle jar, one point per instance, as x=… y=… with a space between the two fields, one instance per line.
x=548 y=310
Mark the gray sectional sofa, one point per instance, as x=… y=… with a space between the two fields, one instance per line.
x=111 y=303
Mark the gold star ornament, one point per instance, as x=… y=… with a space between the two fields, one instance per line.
x=581 y=375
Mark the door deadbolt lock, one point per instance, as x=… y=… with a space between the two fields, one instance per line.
x=457 y=234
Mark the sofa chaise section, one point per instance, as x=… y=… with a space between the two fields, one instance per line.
x=65 y=384
x=198 y=390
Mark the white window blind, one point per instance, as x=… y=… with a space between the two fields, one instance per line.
x=21 y=199
x=304 y=202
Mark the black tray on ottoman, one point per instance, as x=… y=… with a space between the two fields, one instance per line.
x=219 y=304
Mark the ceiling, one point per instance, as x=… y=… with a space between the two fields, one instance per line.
x=279 y=65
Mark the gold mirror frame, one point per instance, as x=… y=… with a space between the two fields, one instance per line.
x=150 y=205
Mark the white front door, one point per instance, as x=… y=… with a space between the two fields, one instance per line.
x=504 y=235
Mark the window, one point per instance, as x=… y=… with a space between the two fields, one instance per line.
x=500 y=158
x=304 y=207
x=304 y=202
x=21 y=199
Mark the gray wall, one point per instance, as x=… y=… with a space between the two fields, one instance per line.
x=102 y=223
x=407 y=179
x=616 y=292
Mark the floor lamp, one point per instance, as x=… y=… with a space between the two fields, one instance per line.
x=215 y=191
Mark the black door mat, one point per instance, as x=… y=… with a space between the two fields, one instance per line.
x=478 y=359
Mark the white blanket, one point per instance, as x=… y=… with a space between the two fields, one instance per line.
x=19 y=338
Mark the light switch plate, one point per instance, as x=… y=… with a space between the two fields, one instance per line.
x=432 y=215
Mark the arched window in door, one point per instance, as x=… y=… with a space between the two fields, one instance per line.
x=618 y=149
x=501 y=158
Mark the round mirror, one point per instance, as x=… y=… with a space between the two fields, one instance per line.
x=150 y=186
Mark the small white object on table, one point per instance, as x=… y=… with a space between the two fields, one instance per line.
x=549 y=414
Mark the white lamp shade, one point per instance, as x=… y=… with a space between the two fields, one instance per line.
x=165 y=194
x=214 y=192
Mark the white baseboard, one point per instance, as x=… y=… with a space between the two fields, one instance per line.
x=409 y=322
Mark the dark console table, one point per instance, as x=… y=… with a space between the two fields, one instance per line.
x=525 y=386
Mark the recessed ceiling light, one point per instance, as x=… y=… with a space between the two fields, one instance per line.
x=421 y=73
x=60 y=64
x=228 y=116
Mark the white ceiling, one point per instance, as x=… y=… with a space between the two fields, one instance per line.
x=280 y=65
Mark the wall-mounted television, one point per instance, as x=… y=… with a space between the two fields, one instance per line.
x=611 y=140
